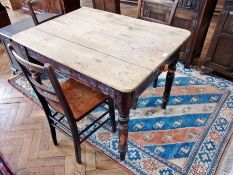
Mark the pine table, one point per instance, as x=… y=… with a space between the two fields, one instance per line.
x=117 y=55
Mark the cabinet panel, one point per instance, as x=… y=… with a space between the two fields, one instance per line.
x=223 y=54
x=220 y=53
x=228 y=26
x=107 y=5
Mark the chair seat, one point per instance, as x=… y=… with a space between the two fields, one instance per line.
x=81 y=98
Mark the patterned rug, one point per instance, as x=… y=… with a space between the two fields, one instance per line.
x=188 y=137
x=4 y=168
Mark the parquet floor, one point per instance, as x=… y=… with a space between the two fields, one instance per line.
x=25 y=138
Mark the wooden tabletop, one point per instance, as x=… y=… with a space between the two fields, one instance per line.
x=115 y=50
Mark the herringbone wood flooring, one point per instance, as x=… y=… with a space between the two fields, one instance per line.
x=25 y=138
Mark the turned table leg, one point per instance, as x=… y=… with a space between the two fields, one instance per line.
x=135 y=104
x=155 y=82
x=123 y=135
x=169 y=81
x=124 y=104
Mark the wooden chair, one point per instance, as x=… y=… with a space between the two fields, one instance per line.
x=165 y=8
x=40 y=18
x=72 y=101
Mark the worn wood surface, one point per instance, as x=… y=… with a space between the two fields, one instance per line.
x=122 y=53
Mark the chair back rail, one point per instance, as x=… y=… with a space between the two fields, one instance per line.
x=45 y=93
x=147 y=7
x=31 y=4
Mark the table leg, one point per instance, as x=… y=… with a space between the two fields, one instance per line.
x=155 y=82
x=123 y=135
x=124 y=105
x=135 y=104
x=169 y=81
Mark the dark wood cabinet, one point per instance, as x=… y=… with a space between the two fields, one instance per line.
x=194 y=15
x=4 y=18
x=107 y=5
x=220 y=53
x=56 y=6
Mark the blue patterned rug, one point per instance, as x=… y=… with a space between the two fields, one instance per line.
x=188 y=137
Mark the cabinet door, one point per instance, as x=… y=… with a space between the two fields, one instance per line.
x=220 y=53
x=223 y=53
x=107 y=5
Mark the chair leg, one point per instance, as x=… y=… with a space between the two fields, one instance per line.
x=112 y=114
x=50 y=121
x=53 y=133
x=77 y=148
x=76 y=140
